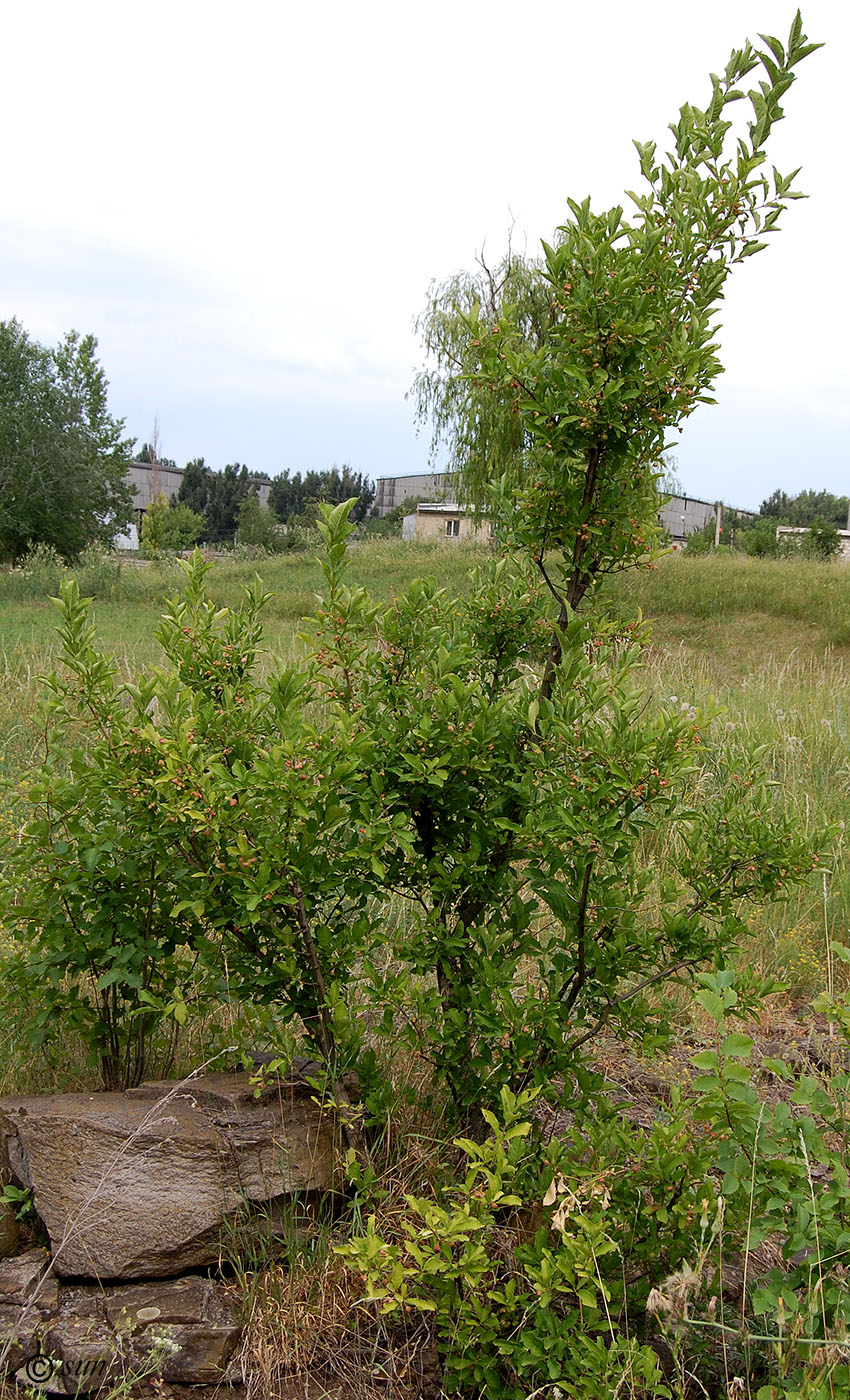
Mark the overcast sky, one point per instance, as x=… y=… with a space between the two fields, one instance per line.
x=246 y=205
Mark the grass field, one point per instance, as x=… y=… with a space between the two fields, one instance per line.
x=770 y=641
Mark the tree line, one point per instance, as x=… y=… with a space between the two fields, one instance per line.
x=225 y=504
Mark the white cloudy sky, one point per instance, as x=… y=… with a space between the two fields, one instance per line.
x=246 y=204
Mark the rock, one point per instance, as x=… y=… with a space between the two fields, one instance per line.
x=9 y=1231
x=23 y=1280
x=182 y=1331
x=40 y=1373
x=88 y=1352
x=191 y=1299
x=19 y=1336
x=186 y=1330
x=185 y=1355
x=145 y=1184
x=29 y=1299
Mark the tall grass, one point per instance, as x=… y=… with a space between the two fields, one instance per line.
x=386 y=566
x=794 y=706
x=815 y=595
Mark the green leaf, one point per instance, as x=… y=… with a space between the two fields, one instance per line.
x=737 y=1044
x=711 y=1003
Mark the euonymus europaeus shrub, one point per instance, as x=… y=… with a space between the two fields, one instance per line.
x=91 y=877
x=560 y=856
x=196 y=820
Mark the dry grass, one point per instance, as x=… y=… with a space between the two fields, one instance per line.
x=310 y=1331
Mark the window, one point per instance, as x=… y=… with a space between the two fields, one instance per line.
x=453 y=529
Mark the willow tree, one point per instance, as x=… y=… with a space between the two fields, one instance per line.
x=471 y=419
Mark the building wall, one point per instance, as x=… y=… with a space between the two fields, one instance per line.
x=680 y=516
x=148 y=481
x=431 y=525
x=392 y=491
x=683 y=516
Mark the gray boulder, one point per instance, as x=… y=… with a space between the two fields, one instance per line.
x=148 y=1183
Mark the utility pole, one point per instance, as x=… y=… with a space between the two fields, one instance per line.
x=718 y=522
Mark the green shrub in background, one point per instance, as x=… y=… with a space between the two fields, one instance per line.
x=760 y=542
x=98 y=572
x=37 y=573
x=259 y=527
x=167 y=529
x=822 y=541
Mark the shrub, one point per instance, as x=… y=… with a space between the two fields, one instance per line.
x=91 y=874
x=194 y=818
x=98 y=572
x=759 y=540
x=36 y=574
x=583 y=1262
x=259 y=527
x=520 y=825
x=516 y=1309
x=823 y=540
x=168 y=528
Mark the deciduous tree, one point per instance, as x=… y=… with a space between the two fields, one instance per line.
x=63 y=457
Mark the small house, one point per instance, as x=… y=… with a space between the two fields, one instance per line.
x=445 y=521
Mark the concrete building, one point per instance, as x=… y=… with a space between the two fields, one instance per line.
x=444 y=521
x=682 y=516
